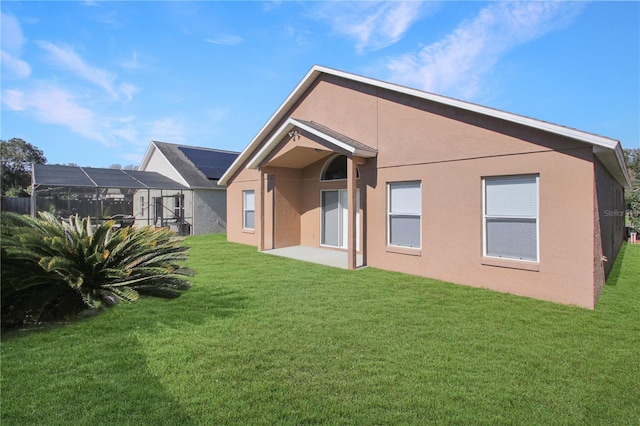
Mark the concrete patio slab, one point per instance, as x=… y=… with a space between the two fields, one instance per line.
x=322 y=256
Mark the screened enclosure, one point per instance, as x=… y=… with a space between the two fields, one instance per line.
x=109 y=194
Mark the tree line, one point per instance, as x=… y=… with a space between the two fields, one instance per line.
x=17 y=155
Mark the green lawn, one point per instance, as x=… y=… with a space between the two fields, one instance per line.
x=265 y=340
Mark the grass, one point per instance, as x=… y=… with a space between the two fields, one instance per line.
x=265 y=340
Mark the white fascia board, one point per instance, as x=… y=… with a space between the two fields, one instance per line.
x=181 y=179
x=503 y=115
x=317 y=70
x=346 y=147
x=613 y=161
x=270 y=145
x=147 y=156
x=292 y=98
x=289 y=125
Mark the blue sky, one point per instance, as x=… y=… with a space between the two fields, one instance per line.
x=93 y=83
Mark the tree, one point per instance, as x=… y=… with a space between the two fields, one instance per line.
x=632 y=195
x=17 y=157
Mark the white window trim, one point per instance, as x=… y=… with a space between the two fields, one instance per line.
x=322 y=191
x=484 y=220
x=389 y=215
x=245 y=210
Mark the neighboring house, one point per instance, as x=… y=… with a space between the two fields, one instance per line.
x=202 y=209
x=423 y=184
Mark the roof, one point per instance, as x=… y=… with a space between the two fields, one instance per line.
x=339 y=140
x=608 y=150
x=48 y=176
x=201 y=168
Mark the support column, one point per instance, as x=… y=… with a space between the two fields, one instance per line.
x=34 y=201
x=351 y=208
x=260 y=229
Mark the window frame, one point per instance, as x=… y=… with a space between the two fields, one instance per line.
x=177 y=205
x=245 y=210
x=328 y=163
x=485 y=216
x=390 y=214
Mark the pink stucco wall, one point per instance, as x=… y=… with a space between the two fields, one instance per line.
x=449 y=151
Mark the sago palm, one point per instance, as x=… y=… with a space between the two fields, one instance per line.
x=48 y=257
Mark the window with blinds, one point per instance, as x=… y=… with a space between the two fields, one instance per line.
x=249 y=209
x=404 y=214
x=511 y=217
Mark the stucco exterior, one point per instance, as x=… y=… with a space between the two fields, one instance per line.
x=392 y=134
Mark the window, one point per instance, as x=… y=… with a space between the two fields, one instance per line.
x=511 y=217
x=404 y=210
x=142 y=205
x=336 y=169
x=249 y=209
x=177 y=206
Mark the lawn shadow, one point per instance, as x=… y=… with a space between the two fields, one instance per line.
x=614 y=275
x=194 y=307
x=128 y=391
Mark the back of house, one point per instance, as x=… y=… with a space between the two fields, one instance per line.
x=427 y=185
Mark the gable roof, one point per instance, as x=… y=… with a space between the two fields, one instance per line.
x=201 y=168
x=608 y=150
x=340 y=141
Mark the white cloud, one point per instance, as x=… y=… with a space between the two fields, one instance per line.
x=128 y=90
x=225 y=39
x=168 y=130
x=14 y=66
x=68 y=59
x=53 y=105
x=457 y=64
x=12 y=43
x=131 y=63
x=71 y=61
x=12 y=38
x=373 y=25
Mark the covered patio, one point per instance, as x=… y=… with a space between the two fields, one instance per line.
x=322 y=256
x=310 y=181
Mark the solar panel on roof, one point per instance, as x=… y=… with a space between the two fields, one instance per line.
x=49 y=176
x=61 y=175
x=212 y=163
x=155 y=180
x=112 y=178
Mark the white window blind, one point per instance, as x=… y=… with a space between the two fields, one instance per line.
x=249 y=209
x=404 y=214
x=511 y=217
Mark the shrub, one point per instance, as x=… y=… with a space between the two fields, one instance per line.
x=52 y=269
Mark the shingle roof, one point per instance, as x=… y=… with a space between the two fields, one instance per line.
x=608 y=150
x=196 y=177
x=338 y=136
x=346 y=144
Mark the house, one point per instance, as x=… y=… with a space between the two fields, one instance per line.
x=202 y=208
x=409 y=181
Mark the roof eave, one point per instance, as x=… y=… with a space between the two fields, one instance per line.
x=316 y=71
x=613 y=161
x=308 y=79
